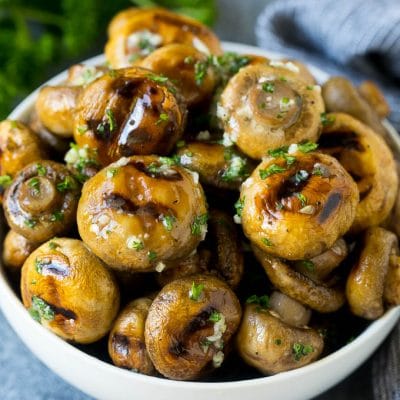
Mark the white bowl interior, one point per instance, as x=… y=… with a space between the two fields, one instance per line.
x=104 y=381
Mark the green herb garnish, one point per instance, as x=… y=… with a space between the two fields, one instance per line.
x=262 y=301
x=57 y=216
x=162 y=118
x=302 y=198
x=300 y=350
x=111 y=119
x=34 y=184
x=327 y=119
x=168 y=222
x=5 y=181
x=239 y=206
x=196 y=291
x=30 y=223
x=271 y=170
x=158 y=78
x=306 y=147
x=268 y=87
x=41 y=310
x=199 y=224
x=66 y=184
x=266 y=242
x=215 y=316
x=152 y=255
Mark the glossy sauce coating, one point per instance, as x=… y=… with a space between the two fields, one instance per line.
x=140 y=211
x=69 y=290
x=127 y=112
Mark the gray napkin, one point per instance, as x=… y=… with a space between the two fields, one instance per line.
x=360 y=39
x=357 y=38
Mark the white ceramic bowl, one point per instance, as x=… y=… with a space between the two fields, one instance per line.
x=104 y=381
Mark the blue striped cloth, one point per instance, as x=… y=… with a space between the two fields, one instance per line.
x=357 y=38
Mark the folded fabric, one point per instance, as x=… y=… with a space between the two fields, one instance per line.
x=356 y=38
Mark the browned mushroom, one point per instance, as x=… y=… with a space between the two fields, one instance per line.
x=264 y=107
x=69 y=290
x=16 y=249
x=267 y=343
x=140 y=213
x=127 y=112
x=136 y=34
x=375 y=98
x=368 y=159
x=295 y=205
x=126 y=345
x=189 y=324
x=366 y=282
x=317 y=296
x=42 y=200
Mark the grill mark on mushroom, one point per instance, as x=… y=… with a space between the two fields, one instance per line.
x=200 y=321
x=171 y=175
x=330 y=205
x=177 y=348
x=126 y=88
x=121 y=344
x=61 y=311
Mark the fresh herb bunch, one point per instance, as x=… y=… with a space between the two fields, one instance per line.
x=38 y=37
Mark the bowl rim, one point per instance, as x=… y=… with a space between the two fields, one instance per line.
x=9 y=298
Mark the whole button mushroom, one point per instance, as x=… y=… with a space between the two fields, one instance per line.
x=185 y=65
x=126 y=345
x=19 y=146
x=69 y=290
x=367 y=158
x=269 y=344
x=189 y=326
x=127 y=112
x=16 y=249
x=263 y=108
x=140 y=213
x=135 y=34
x=42 y=200
x=365 y=288
x=297 y=204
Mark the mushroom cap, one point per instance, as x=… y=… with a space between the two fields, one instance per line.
x=69 y=290
x=126 y=344
x=181 y=338
x=129 y=111
x=267 y=343
x=369 y=160
x=140 y=212
x=162 y=27
x=297 y=211
x=264 y=107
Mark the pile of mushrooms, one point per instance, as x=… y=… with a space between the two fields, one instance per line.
x=209 y=204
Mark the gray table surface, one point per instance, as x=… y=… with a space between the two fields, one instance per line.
x=23 y=377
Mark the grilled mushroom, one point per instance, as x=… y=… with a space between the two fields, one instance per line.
x=136 y=34
x=189 y=326
x=127 y=112
x=69 y=290
x=368 y=159
x=264 y=107
x=269 y=344
x=142 y=212
x=42 y=200
x=295 y=205
x=126 y=345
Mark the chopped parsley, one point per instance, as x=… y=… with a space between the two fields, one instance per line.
x=82 y=129
x=41 y=310
x=5 y=181
x=38 y=266
x=200 y=71
x=135 y=244
x=306 y=147
x=278 y=205
x=111 y=172
x=157 y=78
x=215 y=316
x=57 y=216
x=41 y=170
x=266 y=242
x=327 y=119
x=34 y=184
x=307 y=264
x=152 y=255
x=239 y=206
x=282 y=152
x=180 y=143
x=145 y=46
x=302 y=198
x=30 y=223
x=310 y=87
x=111 y=119
x=271 y=170
x=318 y=171
x=285 y=100
x=53 y=245
x=268 y=87
x=196 y=291
x=237 y=169
x=199 y=224
x=66 y=184
x=300 y=350
x=262 y=301
x=168 y=222
x=282 y=79
x=188 y=60
x=278 y=342
x=162 y=118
